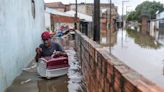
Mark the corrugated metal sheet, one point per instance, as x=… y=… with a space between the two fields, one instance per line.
x=81 y=16
x=56 y=12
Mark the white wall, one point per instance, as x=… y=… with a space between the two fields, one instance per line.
x=152 y=29
x=19 y=35
x=47 y=20
x=81 y=8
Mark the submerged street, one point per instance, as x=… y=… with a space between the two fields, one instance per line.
x=140 y=52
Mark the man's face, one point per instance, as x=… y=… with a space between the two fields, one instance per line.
x=47 y=42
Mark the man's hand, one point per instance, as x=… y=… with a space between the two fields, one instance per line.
x=59 y=52
x=38 y=50
x=38 y=54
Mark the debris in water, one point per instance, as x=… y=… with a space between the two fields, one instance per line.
x=32 y=67
x=23 y=82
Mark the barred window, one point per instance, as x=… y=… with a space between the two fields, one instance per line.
x=33 y=8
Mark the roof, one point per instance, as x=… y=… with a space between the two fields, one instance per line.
x=91 y=4
x=80 y=15
x=63 y=19
x=56 y=12
x=55 y=4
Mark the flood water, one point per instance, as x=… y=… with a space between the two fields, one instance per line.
x=30 y=81
x=140 y=52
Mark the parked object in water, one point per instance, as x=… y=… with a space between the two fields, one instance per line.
x=54 y=66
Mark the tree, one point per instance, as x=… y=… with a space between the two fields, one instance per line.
x=147 y=7
x=132 y=16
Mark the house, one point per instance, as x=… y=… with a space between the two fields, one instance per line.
x=85 y=8
x=160 y=21
x=56 y=5
x=85 y=25
x=160 y=26
x=60 y=19
x=47 y=20
x=88 y=8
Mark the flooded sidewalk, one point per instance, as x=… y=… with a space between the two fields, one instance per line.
x=30 y=81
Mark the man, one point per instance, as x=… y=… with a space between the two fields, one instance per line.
x=48 y=47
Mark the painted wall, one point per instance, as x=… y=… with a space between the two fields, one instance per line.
x=19 y=36
x=47 y=20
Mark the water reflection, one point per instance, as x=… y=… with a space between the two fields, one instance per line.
x=140 y=52
x=54 y=85
x=105 y=40
x=144 y=40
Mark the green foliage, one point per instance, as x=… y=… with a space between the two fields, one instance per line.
x=132 y=16
x=147 y=7
x=143 y=40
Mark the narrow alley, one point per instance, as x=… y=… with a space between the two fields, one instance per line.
x=30 y=81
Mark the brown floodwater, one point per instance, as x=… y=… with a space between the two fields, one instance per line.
x=141 y=52
x=30 y=81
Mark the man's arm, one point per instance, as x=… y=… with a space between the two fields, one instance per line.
x=38 y=54
x=37 y=57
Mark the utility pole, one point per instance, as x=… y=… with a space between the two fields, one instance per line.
x=96 y=36
x=123 y=19
x=76 y=17
x=110 y=26
x=126 y=15
x=127 y=9
x=123 y=13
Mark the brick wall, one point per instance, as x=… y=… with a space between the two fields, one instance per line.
x=105 y=73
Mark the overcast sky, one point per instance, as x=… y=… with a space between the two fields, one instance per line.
x=131 y=4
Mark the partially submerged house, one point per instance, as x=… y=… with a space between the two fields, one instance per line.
x=160 y=22
x=160 y=26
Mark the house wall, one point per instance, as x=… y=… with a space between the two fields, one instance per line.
x=19 y=36
x=81 y=8
x=47 y=20
x=89 y=8
x=152 y=28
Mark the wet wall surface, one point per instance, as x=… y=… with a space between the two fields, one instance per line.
x=30 y=81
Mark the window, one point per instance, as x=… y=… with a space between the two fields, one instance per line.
x=33 y=8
